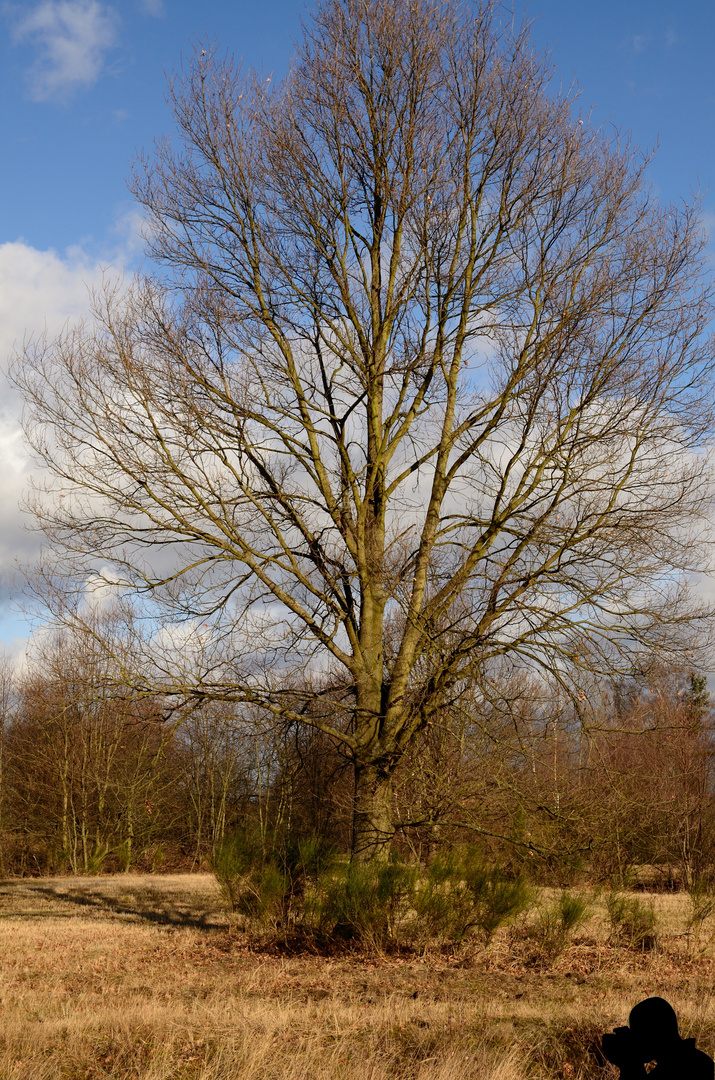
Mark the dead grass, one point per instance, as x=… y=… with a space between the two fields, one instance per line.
x=142 y=978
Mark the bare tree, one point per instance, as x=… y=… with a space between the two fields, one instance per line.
x=423 y=388
x=8 y=705
x=85 y=765
x=647 y=784
x=215 y=769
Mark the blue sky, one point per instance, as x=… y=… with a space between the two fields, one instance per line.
x=82 y=90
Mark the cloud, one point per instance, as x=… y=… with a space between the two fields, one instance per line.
x=155 y=8
x=708 y=220
x=39 y=291
x=71 y=38
x=128 y=238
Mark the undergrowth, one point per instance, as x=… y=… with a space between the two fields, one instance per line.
x=306 y=892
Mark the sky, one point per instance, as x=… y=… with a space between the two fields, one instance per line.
x=82 y=85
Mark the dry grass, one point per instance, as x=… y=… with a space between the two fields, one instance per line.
x=143 y=979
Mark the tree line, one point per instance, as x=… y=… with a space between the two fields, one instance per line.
x=95 y=778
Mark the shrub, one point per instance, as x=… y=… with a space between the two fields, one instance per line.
x=460 y=892
x=556 y=924
x=301 y=885
x=633 y=923
x=439 y=902
x=96 y=859
x=495 y=898
x=365 y=903
x=307 y=858
x=574 y=909
x=249 y=879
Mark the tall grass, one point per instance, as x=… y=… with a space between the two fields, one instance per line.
x=112 y=979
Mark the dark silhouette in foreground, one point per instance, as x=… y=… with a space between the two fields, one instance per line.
x=652 y=1035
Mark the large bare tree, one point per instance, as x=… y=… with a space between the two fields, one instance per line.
x=421 y=390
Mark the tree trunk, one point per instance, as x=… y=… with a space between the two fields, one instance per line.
x=373 y=827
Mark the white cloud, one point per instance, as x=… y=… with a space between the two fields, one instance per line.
x=71 y=37
x=129 y=238
x=40 y=289
x=155 y=8
x=39 y=292
x=708 y=220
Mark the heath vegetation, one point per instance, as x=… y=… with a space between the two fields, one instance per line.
x=148 y=978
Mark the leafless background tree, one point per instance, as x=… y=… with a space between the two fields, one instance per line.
x=421 y=392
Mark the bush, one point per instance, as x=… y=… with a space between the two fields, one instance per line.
x=459 y=892
x=307 y=858
x=438 y=902
x=365 y=903
x=96 y=859
x=495 y=898
x=633 y=923
x=302 y=886
x=702 y=905
x=250 y=881
x=556 y=924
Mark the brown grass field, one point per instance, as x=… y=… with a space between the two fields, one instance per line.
x=143 y=978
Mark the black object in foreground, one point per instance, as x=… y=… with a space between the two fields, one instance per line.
x=652 y=1035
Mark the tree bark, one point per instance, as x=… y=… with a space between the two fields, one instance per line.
x=373 y=826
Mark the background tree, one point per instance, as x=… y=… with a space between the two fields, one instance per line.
x=85 y=768
x=216 y=773
x=8 y=706
x=423 y=390
x=647 y=790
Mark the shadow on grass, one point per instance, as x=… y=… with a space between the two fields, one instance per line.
x=154 y=908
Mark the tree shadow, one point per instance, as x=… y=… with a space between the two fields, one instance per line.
x=156 y=909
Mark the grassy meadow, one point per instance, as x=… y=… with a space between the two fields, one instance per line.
x=145 y=978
